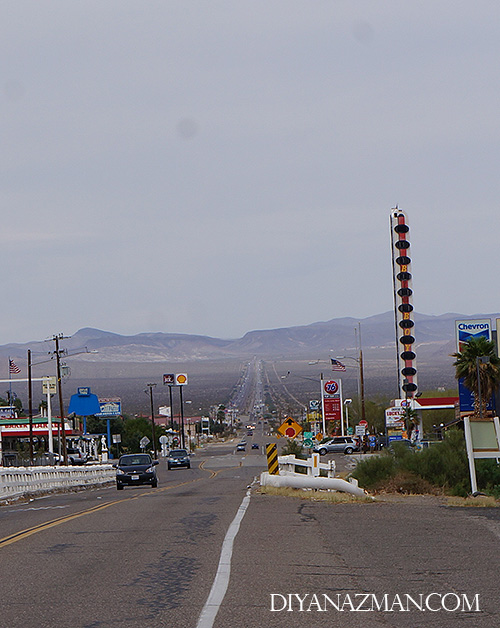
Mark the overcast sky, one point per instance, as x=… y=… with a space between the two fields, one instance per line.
x=218 y=167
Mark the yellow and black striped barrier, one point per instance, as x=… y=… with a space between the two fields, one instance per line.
x=272 y=459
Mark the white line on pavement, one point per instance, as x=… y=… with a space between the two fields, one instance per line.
x=221 y=581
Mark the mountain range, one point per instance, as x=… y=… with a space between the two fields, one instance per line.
x=115 y=365
x=435 y=341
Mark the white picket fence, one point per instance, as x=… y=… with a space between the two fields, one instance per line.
x=16 y=481
x=312 y=464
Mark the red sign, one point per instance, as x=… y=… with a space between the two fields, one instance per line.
x=363 y=423
x=331 y=387
x=333 y=411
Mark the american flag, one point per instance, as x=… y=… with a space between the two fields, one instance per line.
x=13 y=368
x=337 y=366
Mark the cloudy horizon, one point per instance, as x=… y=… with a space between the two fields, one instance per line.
x=215 y=168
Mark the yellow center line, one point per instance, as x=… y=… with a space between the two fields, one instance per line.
x=23 y=534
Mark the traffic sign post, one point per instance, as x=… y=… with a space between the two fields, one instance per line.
x=290 y=428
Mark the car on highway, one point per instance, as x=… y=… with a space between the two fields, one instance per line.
x=255 y=445
x=337 y=444
x=178 y=458
x=136 y=469
x=241 y=447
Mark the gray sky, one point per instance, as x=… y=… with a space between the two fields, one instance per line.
x=217 y=167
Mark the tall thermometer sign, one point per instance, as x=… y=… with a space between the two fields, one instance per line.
x=403 y=306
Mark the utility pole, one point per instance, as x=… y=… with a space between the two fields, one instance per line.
x=171 y=408
x=61 y=405
x=183 y=437
x=151 y=386
x=361 y=373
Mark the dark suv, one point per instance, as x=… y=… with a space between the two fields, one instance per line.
x=342 y=444
x=135 y=469
x=178 y=458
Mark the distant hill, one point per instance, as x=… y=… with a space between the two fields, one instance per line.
x=124 y=364
x=435 y=341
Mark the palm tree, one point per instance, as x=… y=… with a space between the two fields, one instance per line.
x=479 y=366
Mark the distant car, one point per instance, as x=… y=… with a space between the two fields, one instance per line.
x=241 y=447
x=75 y=456
x=136 y=469
x=338 y=444
x=255 y=446
x=178 y=458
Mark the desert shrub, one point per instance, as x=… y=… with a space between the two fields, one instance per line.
x=293 y=447
x=408 y=483
x=371 y=473
x=443 y=465
x=488 y=477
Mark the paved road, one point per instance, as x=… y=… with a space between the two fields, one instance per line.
x=148 y=557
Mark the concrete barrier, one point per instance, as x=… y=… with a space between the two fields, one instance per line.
x=17 y=481
x=295 y=480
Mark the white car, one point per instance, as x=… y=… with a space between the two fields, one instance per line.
x=338 y=444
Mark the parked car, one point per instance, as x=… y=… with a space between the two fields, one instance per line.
x=178 y=458
x=342 y=444
x=136 y=469
x=75 y=456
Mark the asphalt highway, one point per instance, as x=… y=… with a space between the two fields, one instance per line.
x=143 y=557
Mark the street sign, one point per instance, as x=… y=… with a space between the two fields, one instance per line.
x=289 y=428
x=360 y=430
x=49 y=386
x=363 y=423
x=163 y=439
x=144 y=442
x=308 y=442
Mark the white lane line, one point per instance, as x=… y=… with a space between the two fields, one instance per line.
x=221 y=581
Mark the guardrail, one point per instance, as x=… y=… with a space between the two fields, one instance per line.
x=16 y=481
x=312 y=464
x=287 y=477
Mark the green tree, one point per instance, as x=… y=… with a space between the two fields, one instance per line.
x=478 y=372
